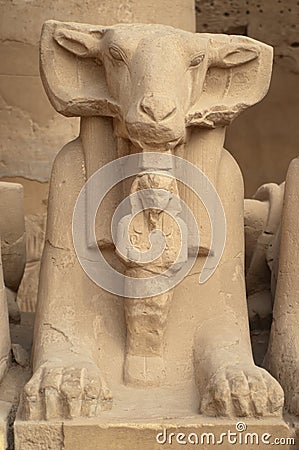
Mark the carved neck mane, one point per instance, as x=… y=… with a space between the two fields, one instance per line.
x=203 y=149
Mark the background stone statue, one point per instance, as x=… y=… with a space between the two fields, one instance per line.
x=262 y=234
x=12 y=261
x=272 y=276
x=146 y=88
x=282 y=356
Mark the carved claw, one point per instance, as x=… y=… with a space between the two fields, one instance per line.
x=242 y=392
x=56 y=392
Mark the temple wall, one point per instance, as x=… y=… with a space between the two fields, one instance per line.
x=265 y=138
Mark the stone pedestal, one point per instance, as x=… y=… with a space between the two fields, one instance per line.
x=153 y=434
x=152 y=419
x=147 y=420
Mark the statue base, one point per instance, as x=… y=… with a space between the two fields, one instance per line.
x=162 y=419
x=154 y=434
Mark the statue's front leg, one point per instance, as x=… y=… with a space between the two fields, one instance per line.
x=229 y=382
x=66 y=382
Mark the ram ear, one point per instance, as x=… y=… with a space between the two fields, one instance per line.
x=238 y=77
x=232 y=55
x=84 y=44
x=71 y=70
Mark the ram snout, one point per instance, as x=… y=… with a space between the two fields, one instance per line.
x=155 y=120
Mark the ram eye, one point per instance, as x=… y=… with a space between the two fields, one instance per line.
x=116 y=54
x=196 y=60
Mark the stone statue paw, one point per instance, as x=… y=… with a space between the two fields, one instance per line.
x=56 y=392
x=239 y=391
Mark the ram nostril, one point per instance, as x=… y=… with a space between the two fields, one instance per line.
x=157 y=108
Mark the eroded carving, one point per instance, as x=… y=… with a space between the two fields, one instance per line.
x=146 y=318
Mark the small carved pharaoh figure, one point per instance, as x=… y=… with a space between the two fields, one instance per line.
x=146 y=318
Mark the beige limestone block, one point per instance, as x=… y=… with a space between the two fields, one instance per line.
x=151 y=435
x=173 y=434
x=46 y=436
x=5 y=408
x=30 y=133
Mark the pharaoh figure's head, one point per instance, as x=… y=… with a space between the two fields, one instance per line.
x=156 y=191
